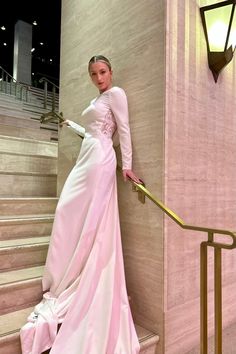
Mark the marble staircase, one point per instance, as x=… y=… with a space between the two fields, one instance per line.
x=28 y=173
x=22 y=119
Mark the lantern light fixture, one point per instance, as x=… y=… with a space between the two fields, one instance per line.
x=219 y=25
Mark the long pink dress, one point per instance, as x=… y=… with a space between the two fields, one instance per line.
x=84 y=273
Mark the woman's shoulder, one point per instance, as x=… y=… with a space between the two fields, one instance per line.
x=117 y=89
x=117 y=93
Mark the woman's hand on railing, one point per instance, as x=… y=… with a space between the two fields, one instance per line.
x=130 y=174
x=65 y=122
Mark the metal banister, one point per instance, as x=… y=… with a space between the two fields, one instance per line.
x=182 y=224
x=54 y=89
x=6 y=78
x=218 y=246
x=43 y=79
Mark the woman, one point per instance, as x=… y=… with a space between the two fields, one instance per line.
x=84 y=279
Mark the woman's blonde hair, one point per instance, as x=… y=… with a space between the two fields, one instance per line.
x=97 y=58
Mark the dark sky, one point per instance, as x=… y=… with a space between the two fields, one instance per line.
x=47 y=13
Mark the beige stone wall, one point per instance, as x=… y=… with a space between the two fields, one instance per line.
x=131 y=34
x=200 y=165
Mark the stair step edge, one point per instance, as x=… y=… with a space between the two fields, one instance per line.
x=21 y=275
x=25 y=154
x=20 y=283
x=17 y=199
x=26 y=219
x=34 y=141
x=33 y=174
x=23 y=243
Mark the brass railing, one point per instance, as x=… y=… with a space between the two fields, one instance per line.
x=218 y=246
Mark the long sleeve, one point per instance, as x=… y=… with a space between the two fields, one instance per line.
x=119 y=107
x=76 y=128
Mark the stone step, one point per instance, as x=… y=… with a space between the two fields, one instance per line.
x=17 y=164
x=27 y=185
x=7 y=100
x=13 y=90
x=36 y=91
x=32 y=133
x=11 y=323
x=20 y=288
x=33 y=103
x=10 y=117
x=22 y=253
x=23 y=121
x=35 y=109
x=7 y=96
x=148 y=340
x=10 y=92
x=28 y=146
x=27 y=206
x=17 y=111
x=38 y=100
x=21 y=227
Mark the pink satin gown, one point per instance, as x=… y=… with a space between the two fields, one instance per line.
x=84 y=272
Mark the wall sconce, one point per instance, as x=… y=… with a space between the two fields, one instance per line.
x=219 y=24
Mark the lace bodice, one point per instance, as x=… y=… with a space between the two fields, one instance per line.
x=105 y=115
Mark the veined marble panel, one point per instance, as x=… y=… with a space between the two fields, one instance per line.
x=132 y=35
x=200 y=184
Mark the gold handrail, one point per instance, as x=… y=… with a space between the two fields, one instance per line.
x=52 y=116
x=218 y=246
x=182 y=224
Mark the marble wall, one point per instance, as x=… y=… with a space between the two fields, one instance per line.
x=132 y=34
x=200 y=165
x=184 y=143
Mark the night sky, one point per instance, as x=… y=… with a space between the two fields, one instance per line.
x=47 y=13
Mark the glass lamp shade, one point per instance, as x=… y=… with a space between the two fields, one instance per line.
x=219 y=24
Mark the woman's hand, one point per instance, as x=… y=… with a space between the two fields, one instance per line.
x=131 y=175
x=65 y=122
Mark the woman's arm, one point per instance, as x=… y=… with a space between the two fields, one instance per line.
x=119 y=107
x=78 y=129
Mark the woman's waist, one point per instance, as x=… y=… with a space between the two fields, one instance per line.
x=98 y=135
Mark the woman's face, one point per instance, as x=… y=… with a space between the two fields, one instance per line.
x=101 y=76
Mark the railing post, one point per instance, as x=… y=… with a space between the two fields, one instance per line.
x=26 y=94
x=21 y=93
x=53 y=97
x=10 y=86
x=203 y=300
x=6 y=79
x=45 y=93
x=218 y=300
x=1 y=79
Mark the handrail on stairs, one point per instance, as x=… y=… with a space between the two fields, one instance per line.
x=8 y=83
x=217 y=246
x=55 y=89
x=143 y=192
x=21 y=90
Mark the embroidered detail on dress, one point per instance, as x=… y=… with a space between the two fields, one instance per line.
x=109 y=125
